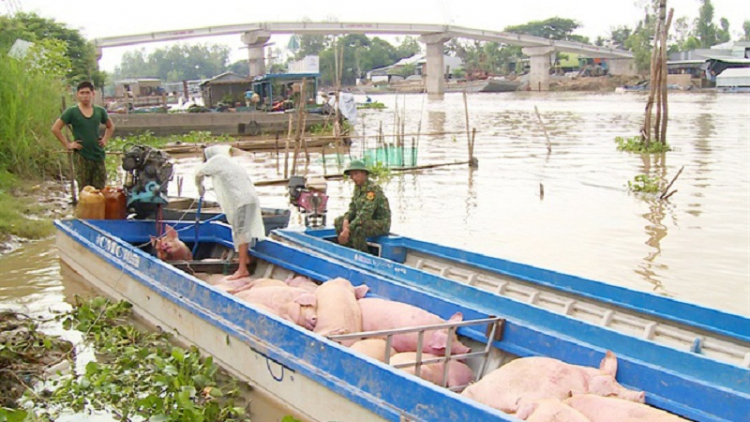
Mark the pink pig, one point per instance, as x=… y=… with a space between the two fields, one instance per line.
x=526 y=380
x=291 y=303
x=550 y=410
x=372 y=347
x=459 y=374
x=380 y=314
x=170 y=248
x=302 y=282
x=605 y=409
x=338 y=310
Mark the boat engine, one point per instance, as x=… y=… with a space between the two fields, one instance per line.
x=310 y=199
x=147 y=175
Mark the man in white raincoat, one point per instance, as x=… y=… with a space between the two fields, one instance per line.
x=237 y=198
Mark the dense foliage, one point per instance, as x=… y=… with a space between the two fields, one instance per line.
x=34 y=28
x=175 y=63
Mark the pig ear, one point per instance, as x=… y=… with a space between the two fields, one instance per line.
x=457 y=317
x=153 y=240
x=361 y=291
x=525 y=410
x=170 y=232
x=608 y=365
x=307 y=299
x=439 y=339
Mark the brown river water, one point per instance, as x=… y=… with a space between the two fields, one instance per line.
x=693 y=247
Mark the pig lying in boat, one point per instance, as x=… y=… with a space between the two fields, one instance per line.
x=381 y=314
x=524 y=381
x=291 y=303
x=338 y=309
x=459 y=374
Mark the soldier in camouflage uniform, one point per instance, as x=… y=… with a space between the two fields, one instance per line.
x=369 y=213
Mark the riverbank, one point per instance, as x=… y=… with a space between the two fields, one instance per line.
x=27 y=209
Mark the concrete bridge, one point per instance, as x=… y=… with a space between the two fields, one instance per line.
x=256 y=35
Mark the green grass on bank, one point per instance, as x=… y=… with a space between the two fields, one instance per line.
x=16 y=205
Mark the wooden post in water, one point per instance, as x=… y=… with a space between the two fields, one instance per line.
x=469 y=141
x=544 y=129
x=658 y=82
x=71 y=164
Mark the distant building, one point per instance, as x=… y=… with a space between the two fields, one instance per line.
x=140 y=87
x=394 y=72
x=227 y=87
x=707 y=63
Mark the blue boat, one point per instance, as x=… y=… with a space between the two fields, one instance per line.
x=673 y=323
x=320 y=380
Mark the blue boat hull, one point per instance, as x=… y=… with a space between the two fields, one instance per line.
x=679 y=382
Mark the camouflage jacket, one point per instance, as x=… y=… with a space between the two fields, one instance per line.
x=369 y=204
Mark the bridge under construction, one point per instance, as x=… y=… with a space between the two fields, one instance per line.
x=256 y=36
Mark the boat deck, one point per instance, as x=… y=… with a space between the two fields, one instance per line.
x=647 y=316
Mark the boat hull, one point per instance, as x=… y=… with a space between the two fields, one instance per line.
x=307 y=372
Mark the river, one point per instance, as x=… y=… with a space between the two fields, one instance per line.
x=694 y=247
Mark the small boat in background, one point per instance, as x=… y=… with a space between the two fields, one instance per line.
x=483 y=85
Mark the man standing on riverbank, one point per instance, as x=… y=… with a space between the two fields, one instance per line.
x=369 y=213
x=84 y=119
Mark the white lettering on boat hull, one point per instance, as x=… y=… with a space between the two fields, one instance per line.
x=117 y=251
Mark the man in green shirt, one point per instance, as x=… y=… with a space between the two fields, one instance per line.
x=369 y=213
x=85 y=119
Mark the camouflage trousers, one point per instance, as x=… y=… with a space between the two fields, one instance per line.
x=90 y=173
x=358 y=236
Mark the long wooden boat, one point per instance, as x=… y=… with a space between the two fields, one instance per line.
x=320 y=380
x=662 y=320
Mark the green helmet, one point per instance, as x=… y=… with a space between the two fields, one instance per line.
x=356 y=165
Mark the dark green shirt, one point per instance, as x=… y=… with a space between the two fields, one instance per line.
x=86 y=130
x=369 y=204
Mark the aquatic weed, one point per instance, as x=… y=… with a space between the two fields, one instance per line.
x=138 y=374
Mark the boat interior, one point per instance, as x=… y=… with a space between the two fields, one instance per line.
x=494 y=340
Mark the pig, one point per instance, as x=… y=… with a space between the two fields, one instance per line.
x=247 y=283
x=459 y=374
x=170 y=248
x=526 y=380
x=605 y=409
x=302 y=282
x=291 y=303
x=381 y=314
x=211 y=279
x=338 y=311
x=550 y=410
x=372 y=347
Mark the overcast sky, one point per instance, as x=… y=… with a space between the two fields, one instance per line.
x=98 y=18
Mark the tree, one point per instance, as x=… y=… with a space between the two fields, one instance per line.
x=746 y=29
x=175 y=63
x=619 y=35
x=705 y=29
x=722 y=34
x=409 y=46
x=553 y=28
x=31 y=27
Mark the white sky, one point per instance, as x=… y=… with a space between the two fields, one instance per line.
x=97 y=18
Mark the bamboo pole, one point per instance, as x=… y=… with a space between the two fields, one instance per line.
x=544 y=129
x=71 y=163
x=646 y=130
x=664 y=194
x=665 y=104
x=300 y=126
x=286 y=150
